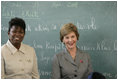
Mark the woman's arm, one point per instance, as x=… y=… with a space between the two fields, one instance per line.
x=35 y=73
x=2 y=68
x=55 y=68
x=89 y=70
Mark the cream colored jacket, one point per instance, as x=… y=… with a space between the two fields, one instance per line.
x=18 y=64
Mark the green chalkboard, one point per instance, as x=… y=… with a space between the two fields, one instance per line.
x=96 y=22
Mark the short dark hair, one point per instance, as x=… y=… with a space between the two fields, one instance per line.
x=17 y=22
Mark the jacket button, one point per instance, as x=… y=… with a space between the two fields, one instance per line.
x=75 y=70
x=75 y=75
x=20 y=60
x=22 y=69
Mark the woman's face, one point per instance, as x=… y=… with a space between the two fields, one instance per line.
x=16 y=35
x=70 y=40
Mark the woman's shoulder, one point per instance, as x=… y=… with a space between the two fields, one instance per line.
x=3 y=47
x=60 y=54
x=4 y=50
x=27 y=46
x=27 y=49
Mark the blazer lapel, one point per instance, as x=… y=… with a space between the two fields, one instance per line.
x=68 y=57
x=79 y=57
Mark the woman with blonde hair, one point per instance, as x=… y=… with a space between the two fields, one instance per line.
x=71 y=63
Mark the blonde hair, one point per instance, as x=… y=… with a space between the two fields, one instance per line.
x=66 y=29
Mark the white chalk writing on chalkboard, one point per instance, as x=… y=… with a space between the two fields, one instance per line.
x=45 y=73
x=87 y=48
x=12 y=4
x=102 y=46
x=72 y=4
x=35 y=45
x=55 y=47
x=53 y=27
x=7 y=13
x=110 y=75
x=91 y=26
x=68 y=4
x=45 y=28
x=16 y=4
x=55 y=4
x=31 y=14
x=42 y=28
x=28 y=28
x=45 y=59
x=4 y=28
